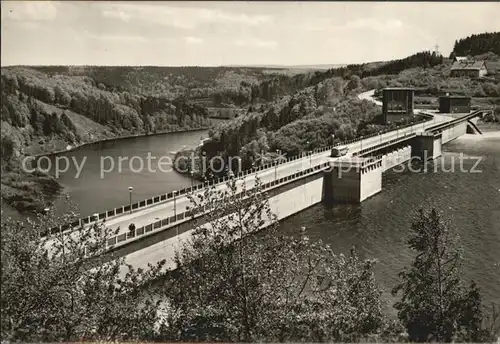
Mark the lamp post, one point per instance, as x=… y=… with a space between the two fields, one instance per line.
x=191 y=174
x=278 y=157
x=130 y=197
x=309 y=152
x=175 y=206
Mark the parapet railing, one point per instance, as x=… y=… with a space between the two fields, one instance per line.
x=383 y=145
x=170 y=195
x=177 y=219
x=444 y=126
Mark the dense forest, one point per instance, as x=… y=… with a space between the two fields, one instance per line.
x=226 y=86
x=208 y=85
x=293 y=125
x=280 y=85
x=477 y=44
x=314 y=117
x=43 y=113
x=242 y=86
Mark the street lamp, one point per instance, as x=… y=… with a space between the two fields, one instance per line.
x=175 y=206
x=191 y=173
x=130 y=197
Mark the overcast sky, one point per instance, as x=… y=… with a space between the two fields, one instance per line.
x=229 y=33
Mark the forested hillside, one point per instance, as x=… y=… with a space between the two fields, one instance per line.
x=228 y=86
x=213 y=86
x=325 y=104
x=53 y=105
x=477 y=44
x=43 y=113
x=313 y=117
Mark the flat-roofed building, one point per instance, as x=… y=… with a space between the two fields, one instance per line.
x=397 y=103
x=454 y=104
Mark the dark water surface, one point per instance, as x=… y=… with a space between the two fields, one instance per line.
x=96 y=190
x=379 y=226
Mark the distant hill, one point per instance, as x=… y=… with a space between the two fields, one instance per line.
x=217 y=86
x=225 y=86
x=316 y=67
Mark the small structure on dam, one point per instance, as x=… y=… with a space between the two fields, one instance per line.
x=352 y=179
x=426 y=146
x=454 y=104
x=397 y=103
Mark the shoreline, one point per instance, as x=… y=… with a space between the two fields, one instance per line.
x=118 y=138
x=50 y=198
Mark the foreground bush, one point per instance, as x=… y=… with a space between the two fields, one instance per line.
x=64 y=289
x=234 y=284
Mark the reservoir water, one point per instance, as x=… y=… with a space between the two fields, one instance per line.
x=378 y=227
x=109 y=169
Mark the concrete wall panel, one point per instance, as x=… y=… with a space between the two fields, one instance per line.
x=371 y=183
x=437 y=147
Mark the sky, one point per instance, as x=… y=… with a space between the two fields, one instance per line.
x=233 y=32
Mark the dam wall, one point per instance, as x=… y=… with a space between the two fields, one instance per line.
x=427 y=146
x=352 y=180
x=284 y=201
x=395 y=158
x=454 y=131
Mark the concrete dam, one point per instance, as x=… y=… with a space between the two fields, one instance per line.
x=163 y=222
x=349 y=179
